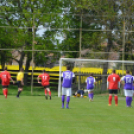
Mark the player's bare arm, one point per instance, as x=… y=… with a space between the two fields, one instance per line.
x=38 y=80
x=12 y=80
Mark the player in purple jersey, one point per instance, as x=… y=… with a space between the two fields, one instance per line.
x=90 y=81
x=128 y=87
x=67 y=78
x=133 y=89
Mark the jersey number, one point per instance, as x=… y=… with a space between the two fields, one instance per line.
x=128 y=80
x=67 y=76
x=114 y=79
x=44 y=77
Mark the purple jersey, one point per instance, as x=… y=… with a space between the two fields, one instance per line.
x=67 y=79
x=128 y=79
x=90 y=82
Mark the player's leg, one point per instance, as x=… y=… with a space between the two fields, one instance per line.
x=19 y=92
x=6 y=92
x=116 y=97
x=91 y=94
x=4 y=88
x=110 y=97
x=63 y=96
x=45 y=91
x=68 y=93
x=48 y=90
x=128 y=94
x=20 y=88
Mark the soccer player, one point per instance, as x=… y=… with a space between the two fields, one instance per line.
x=79 y=93
x=90 y=81
x=20 y=81
x=5 y=78
x=113 y=85
x=68 y=77
x=133 y=89
x=45 y=83
x=128 y=87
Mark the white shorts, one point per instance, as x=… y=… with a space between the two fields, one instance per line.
x=66 y=91
x=128 y=92
x=88 y=90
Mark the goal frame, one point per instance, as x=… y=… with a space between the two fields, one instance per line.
x=85 y=60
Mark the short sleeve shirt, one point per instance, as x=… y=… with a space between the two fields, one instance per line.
x=44 y=79
x=128 y=79
x=90 y=82
x=113 y=80
x=67 y=79
x=5 y=78
x=20 y=76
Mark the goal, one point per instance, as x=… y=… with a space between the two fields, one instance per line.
x=100 y=68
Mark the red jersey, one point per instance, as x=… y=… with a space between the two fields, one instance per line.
x=5 y=77
x=44 y=79
x=113 y=80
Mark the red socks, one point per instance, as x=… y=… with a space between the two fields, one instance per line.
x=116 y=100
x=48 y=92
x=5 y=92
x=110 y=99
x=45 y=92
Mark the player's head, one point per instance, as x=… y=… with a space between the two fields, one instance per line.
x=113 y=71
x=68 y=67
x=91 y=74
x=127 y=71
x=22 y=69
x=44 y=71
x=5 y=68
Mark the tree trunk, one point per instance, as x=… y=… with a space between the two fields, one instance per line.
x=3 y=59
x=26 y=69
x=21 y=60
x=104 y=77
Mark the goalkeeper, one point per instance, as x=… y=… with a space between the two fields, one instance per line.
x=79 y=93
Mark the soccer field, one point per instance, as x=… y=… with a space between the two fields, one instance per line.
x=35 y=115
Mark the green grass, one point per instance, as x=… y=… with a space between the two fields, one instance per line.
x=36 y=91
x=35 y=115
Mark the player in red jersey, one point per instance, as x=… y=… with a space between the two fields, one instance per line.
x=45 y=83
x=5 y=78
x=113 y=85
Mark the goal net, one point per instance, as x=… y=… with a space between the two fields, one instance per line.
x=100 y=69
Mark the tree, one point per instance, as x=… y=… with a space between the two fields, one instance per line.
x=24 y=17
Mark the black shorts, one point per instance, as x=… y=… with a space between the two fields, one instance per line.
x=81 y=92
x=19 y=84
x=4 y=86
x=46 y=86
x=113 y=91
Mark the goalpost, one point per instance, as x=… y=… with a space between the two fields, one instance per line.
x=100 y=68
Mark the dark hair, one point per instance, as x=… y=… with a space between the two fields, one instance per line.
x=68 y=67
x=91 y=74
x=5 y=68
x=22 y=69
x=113 y=71
x=44 y=71
x=127 y=71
